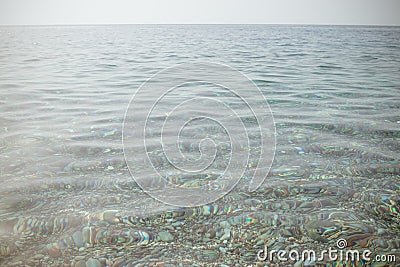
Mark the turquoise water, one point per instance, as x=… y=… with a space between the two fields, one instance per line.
x=67 y=197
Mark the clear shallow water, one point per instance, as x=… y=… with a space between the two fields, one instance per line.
x=334 y=93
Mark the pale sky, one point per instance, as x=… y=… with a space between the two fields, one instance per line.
x=372 y=12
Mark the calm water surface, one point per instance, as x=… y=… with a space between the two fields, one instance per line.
x=67 y=197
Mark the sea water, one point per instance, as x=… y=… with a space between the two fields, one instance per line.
x=68 y=198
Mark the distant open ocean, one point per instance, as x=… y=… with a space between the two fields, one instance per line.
x=67 y=197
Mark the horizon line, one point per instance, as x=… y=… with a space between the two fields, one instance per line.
x=272 y=24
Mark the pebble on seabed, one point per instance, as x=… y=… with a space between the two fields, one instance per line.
x=166 y=236
x=93 y=263
x=78 y=239
x=80 y=263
